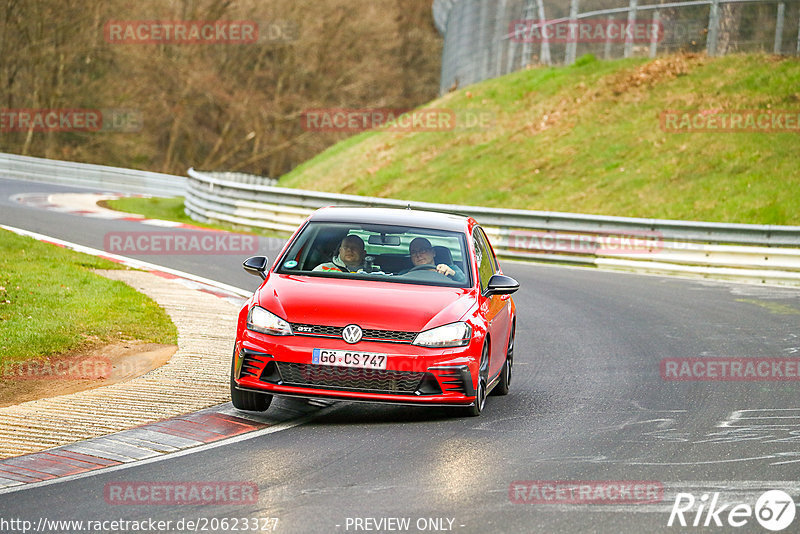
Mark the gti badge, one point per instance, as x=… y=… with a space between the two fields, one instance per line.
x=352 y=333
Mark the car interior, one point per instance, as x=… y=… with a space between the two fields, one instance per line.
x=386 y=247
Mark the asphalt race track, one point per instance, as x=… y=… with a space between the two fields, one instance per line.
x=587 y=403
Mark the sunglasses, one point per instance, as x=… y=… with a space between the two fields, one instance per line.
x=420 y=250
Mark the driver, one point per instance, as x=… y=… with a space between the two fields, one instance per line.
x=350 y=257
x=422 y=254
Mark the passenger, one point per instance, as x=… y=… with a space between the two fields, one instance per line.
x=422 y=254
x=350 y=258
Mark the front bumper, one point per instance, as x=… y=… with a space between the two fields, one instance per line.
x=281 y=365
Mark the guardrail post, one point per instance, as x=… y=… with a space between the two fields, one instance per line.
x=607 y=44
x=713 y=28
x=779 y=28
x=544 y=53
x=629 y=30
x=528 y=17
x=656 y=25
x=572 y=43
x=511 y=56
x=798 y=35
x=498 y=31
x=485 y=41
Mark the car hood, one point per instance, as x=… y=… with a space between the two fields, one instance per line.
x=369 y=304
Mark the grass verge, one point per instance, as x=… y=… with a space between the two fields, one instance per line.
x=164 y=208
x=172 y=209
x=51 y=303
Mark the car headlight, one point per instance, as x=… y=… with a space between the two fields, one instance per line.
x=449 y=335
x=265 y=322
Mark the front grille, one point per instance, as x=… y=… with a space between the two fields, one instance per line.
x=317 y=330
x=390 y=335
x=349 y=378
x=394 y=336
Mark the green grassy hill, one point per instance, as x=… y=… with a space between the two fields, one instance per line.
x=588 y=139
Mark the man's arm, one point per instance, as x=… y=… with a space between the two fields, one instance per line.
x=459 y=276
x=451 y=271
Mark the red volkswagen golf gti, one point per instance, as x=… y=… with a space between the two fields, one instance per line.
x=378 y=305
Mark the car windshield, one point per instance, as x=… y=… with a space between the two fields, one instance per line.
x=379 y=252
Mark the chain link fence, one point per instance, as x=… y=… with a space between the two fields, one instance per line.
x=488 y=38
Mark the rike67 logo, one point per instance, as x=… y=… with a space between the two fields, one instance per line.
x=774 y=510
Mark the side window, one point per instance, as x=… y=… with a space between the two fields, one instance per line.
x=484 y=256
x=490 y=251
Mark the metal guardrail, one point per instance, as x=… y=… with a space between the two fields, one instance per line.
x=113 y=179
x=766 y=253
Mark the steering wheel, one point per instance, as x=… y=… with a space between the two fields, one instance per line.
x=427 y=267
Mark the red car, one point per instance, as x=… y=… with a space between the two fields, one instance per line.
x=378 y=305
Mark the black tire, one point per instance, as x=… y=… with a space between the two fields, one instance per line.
x=504 y=383
x=483 y=377
x=247 y=400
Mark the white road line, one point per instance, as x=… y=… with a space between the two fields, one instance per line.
x=762 y=418
x=706 y=462
x=162 y=223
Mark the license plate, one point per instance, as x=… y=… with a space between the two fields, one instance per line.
x=349 y=358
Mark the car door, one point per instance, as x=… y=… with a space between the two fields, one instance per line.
x=494 y=307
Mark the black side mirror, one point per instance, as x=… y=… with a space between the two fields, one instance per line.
x=256 y=265
x=500 y=284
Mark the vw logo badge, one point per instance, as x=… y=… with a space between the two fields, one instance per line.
x=352 y=333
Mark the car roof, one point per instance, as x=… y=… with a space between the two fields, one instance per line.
x=393 y=216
